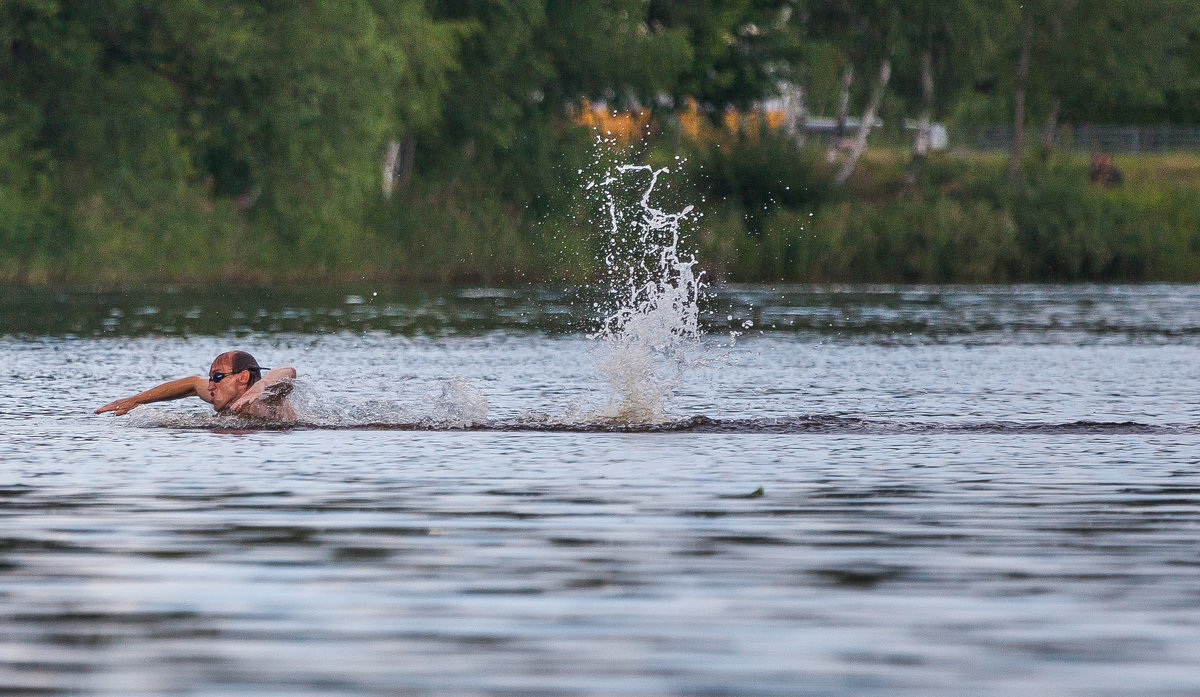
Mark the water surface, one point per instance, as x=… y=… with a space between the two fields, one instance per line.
x=874 y=490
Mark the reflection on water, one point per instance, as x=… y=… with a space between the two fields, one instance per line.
x=888 y=491
x=918 y=314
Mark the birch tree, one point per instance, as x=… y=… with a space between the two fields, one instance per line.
x=1020 y=86
x=874 y=24
x=859 y=145
x=944 y=46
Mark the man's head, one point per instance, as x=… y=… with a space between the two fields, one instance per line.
x=230 y=375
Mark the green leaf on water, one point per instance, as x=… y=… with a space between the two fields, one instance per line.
x=756 y=494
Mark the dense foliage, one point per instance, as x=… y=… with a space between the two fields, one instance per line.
x=246 y=139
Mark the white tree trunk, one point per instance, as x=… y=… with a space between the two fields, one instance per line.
x=843 y=113
x=1050 y=129
x=921 y=144
x=1018 y=140
x=795 y=113
x=864 y=127
x=922 y=141
x=390 y=161
x=397 y=164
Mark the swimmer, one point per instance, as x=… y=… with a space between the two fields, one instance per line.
x=235 y=383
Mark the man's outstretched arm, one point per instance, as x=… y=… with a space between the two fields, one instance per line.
x=194 y=386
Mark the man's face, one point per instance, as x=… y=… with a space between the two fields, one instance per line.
x=225 y=391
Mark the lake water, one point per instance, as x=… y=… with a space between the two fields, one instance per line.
x=872 y=491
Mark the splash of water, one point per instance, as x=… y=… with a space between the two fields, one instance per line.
x=653 y=317
x=648 y=326
x=448 y=404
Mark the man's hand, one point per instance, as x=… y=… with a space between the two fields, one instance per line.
x=242 y=404
x=120 y=406
x=262 y=391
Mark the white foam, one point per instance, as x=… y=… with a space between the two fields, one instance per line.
x=450 y=403
x=654 y=318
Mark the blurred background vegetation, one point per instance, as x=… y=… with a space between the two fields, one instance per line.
x=262 y=141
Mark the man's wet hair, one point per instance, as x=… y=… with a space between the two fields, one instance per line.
x=240 y=360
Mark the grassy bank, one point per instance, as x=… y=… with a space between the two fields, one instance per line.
x=767 y=216
x=964 y=223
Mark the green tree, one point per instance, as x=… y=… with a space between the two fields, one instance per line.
x=606 y=49
x=1107 y=59
x=944 y=47
x=284 y=103
x=523 y=66
x=741 y=49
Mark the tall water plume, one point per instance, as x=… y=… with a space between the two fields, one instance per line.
x=651 y=316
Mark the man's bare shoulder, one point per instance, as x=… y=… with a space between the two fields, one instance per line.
x=272 y=410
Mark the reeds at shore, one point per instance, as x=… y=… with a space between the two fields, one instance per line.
x=766 y=217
